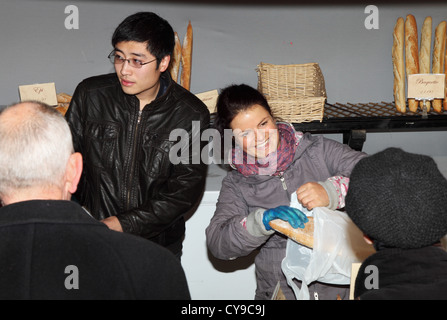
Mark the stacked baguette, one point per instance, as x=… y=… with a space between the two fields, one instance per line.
x=411 y=53
x=398 y=66
x=424 y=52
x=405 y=42
x=438 y=58
x=182 y=55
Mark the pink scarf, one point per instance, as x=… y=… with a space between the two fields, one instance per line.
x=276 y=162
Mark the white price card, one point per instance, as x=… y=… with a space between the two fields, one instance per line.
x=426 y=86
x=209 y=98
x=42 y=92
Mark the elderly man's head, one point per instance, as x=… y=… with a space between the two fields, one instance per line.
x=36 y=154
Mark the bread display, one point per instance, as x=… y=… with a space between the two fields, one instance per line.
x=176 y=57
x=303 y=236
x=424 y=53
x=438 y=57
x=409 y=58
x=398 y=66
x=185 y=80
x=411 y=54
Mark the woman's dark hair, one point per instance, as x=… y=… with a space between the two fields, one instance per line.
x=234 y=99
x=147 y=27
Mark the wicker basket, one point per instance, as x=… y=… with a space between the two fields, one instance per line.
x=296 y=93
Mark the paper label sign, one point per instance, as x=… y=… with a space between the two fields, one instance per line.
x=42 y=92
x=209 y=98
x=426 y=86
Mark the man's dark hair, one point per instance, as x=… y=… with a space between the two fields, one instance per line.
x=147 y=27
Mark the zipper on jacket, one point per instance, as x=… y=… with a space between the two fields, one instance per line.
x=139 y=116
x=283 y=181
x=134 y=151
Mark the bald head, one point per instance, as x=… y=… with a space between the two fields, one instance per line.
x=35 y=146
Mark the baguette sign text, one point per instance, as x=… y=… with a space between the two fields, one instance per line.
x=426 y=86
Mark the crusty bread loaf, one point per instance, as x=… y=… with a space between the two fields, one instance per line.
x=303 y=236
x=411 y=53
x=63 y=97
x=438 y=57
x=185 y=80
x=174 y=66
x=399 y=66
x=425 y=53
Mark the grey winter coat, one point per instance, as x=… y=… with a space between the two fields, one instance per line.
x=241 y=198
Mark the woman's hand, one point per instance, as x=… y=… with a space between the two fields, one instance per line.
x=296 y=218
x=312 y=195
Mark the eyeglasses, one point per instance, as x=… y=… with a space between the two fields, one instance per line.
x=135 y=63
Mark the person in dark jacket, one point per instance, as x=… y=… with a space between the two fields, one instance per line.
x=123 y=124
x=398 y=199
x=271 y=161
x=51 y=247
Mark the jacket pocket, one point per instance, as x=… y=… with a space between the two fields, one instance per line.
x=101 y=142
x=155 y=156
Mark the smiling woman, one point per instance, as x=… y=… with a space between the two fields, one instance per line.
x=271 y=161
x=256 y=131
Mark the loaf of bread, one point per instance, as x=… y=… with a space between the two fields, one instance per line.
x=303 y=236
x=399 y=66
x=438 y=57
x=63 y=101
x=411 y=53
x=425 y=53
x=174 y=65
x=185 y=80
x=63 y=98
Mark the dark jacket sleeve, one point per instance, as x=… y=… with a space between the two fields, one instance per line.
x=226 y=236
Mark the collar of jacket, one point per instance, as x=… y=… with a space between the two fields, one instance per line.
x=165 y=85
x=51 y=211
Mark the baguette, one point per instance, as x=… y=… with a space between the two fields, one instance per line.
x=424 y=53
x=398 y=66
x=438 y=57
x=185 y=80
x=303 y=236
x=411 y=53
x=174 y=67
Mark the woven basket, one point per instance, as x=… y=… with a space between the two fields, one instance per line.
x=296 y=93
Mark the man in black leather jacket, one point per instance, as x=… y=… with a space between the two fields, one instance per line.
x=121 y=124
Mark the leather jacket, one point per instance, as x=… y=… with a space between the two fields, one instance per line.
x=127 y=169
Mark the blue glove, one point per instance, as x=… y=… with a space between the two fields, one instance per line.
x=295 y=217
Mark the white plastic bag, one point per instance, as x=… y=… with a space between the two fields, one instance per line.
x=337 y=244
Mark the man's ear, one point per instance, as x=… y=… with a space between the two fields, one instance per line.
x=164 y=63
x=73 y=172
